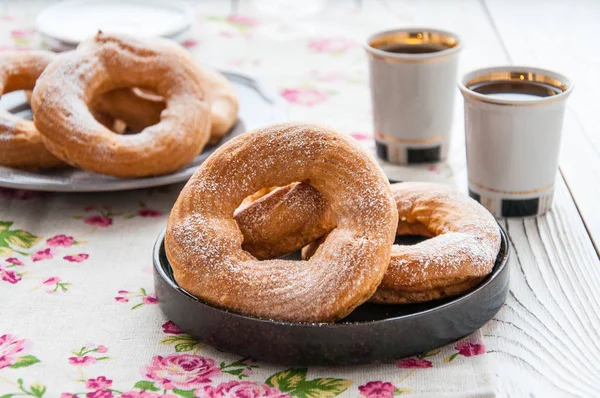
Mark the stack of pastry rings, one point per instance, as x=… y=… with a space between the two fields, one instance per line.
x=336 y=203
x=465 y=238
x=188 y=107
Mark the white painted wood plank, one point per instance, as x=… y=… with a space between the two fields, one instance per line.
x=563 y=36
x=546 y=337
x=544 y=342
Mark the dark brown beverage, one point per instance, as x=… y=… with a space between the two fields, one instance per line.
x=423 y=48
x=515 y=89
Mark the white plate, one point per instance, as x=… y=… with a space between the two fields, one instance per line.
x=60 y=46
x=70 y=22
x=260 y=105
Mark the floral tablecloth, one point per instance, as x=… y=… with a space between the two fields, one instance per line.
x=78 y=315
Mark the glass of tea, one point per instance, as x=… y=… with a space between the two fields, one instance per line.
x=513 y=123
x=413 y=75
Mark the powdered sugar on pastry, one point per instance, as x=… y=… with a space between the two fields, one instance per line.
x=20 y=142
x=204 y=243
x=464 y=243
x=62 y=96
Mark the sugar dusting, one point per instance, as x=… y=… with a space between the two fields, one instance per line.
x=8 y=125
x=451 y=255
x=67 y=85
x=23 y=66
x=341 y=275
x=466 y=237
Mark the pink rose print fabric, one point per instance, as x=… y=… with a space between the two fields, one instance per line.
x=140 y=297
x=361 y=136
x=468 y=349
x=14 y=353
x=88 y=355
x=82 y=361
x=242 y=20
x=9 y=276
x=77 y=258
x=304 y=96
x=104 y=215
x=100 y=221
x=409 y=363
x=377 y=389
x=40 y=255
x=10 y=349
x=98 y=383
x=170 y=328
x=150 y=299
x=334 y=45
x=149 y=213
x=235 y=389
x=56 y=285
x=190 y=43
x=14 y=261
x=182 y=342
x=184 y=371
x=60 y=240
x=9 y=272
x=51 y=281
x=22 y=33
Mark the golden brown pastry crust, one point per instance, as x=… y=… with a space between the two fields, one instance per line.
x=254 y=197
x=20 y=143
x=136 y=108
x=464 y=243
x=204 y=244
x=296 y=206
x=139 y=109
x=107 y=62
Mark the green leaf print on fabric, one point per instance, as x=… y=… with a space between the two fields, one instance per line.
x=15 y=237
x=293 y=381
x=125 y=296
x=184 y=393
x=35 y=390
x=183 y=343
x=38 y=390
x=146 y=386
x=288 y=379
x=24 y=361
x=429 y=354
x=242 y=368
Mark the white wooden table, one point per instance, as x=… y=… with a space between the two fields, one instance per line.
x=546 y=340
x=547 y=337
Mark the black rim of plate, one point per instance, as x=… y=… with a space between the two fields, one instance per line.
x=161 y=262
x=381 y=333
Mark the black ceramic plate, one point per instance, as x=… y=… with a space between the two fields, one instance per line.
x=372 y=333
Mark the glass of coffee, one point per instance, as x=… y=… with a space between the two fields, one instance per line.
x=413 y=74
x=513 y=124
